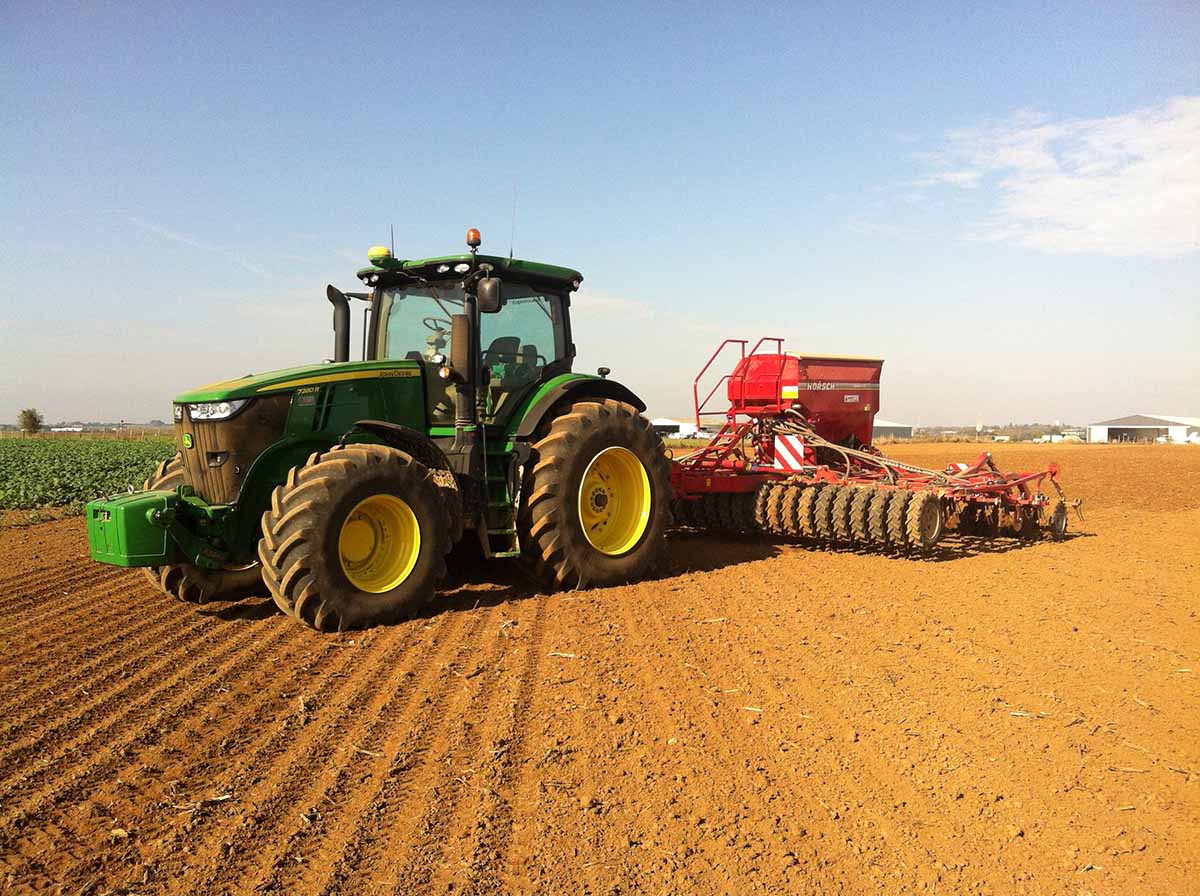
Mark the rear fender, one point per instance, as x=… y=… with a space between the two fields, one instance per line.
x=569 y=390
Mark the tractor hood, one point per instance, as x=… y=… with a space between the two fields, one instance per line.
x=253 y=385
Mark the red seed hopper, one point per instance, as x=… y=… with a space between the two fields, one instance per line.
x=794 y=457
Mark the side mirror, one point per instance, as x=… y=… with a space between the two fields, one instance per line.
x=487 y=295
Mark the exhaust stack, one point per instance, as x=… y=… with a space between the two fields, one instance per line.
x=341 y=323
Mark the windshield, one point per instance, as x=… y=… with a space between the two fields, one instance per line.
x=415 y=320
x=519 y=346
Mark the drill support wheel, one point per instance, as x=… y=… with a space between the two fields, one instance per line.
x=776 y=495
x=924 y=521
x=1058 y=521
x=761 y=498
x=841 y=513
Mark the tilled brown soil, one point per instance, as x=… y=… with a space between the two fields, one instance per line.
x=1003 y=718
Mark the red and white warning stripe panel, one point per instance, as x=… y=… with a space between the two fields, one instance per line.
x=789 y=453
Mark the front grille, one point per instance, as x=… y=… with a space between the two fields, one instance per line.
x=223 y=450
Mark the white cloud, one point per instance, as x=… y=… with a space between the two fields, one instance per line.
x=1123 y=185
x=193 y=243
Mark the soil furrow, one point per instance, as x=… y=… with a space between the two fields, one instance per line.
x=116 y=700
x=147 y=792
x=458 y=766
x=357 y=857
x=94 y=669
x=486 y=865
x=142 y=722
x=408 y=717
x=316 y=745
x=91 y=611
x=32 y=609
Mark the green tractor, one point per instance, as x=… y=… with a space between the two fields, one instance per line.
x=342 y=486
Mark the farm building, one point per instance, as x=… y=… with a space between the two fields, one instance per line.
x=886 y=428
x=1146 y=428
x=675 y=429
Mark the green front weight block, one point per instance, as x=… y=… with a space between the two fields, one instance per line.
x=131 y=530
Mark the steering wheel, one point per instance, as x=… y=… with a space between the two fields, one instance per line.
x=436 y=323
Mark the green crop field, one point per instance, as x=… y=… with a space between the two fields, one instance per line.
x=71 y=471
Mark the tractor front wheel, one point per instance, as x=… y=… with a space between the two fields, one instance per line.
x=357 y=536
x=596 y=502
x=186 y=581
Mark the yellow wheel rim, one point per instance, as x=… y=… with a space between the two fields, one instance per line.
x=379 y=543
x=614 y=501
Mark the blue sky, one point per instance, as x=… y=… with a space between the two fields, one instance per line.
x=1004 y=204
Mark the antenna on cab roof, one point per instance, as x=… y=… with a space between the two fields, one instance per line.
x=512 y=235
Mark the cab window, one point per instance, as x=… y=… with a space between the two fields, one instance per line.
x=520 y=341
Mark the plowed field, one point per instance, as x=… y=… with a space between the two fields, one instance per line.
x=764 y=717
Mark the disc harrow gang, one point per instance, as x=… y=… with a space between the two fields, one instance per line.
x=793 y=459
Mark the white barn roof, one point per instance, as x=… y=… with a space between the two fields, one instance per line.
x=1156 y=421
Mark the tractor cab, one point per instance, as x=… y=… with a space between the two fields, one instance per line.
x=516 y=339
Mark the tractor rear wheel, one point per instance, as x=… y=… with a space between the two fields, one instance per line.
x=357 y=536
x=597 y=498
x=188 y=582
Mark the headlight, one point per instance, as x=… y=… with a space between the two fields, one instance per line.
x=178 y=413
x=216 y=410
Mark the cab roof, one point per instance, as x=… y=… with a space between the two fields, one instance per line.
x=444 y=266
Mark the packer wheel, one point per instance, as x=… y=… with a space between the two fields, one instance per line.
x=805 y=513
x=860 y=514
x=823 y=512
x=897 y=521
x=877 y=516
x=842 y=504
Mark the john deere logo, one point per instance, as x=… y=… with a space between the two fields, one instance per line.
x=187 y=440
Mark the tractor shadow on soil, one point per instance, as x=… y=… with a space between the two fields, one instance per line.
x=248 y=609
x=474 y=581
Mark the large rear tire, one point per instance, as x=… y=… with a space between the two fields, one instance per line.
x=188 y=582
x=597 y=501
x=357 y=536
